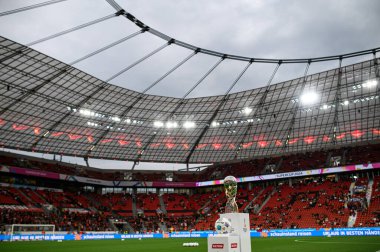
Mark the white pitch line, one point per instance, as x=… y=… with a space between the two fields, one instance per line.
x=358 y=243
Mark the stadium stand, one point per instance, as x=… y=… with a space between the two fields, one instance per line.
x=315 y=203
x=369 y=214
x=295 y=162
x=319 y=202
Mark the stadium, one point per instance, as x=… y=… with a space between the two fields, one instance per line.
x=304 y=148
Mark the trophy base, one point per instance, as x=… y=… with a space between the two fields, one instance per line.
x=241 y=232
x=223 y=243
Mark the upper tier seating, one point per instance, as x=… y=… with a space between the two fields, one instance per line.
x=286 y=163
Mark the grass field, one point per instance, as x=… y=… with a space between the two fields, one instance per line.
x=315 y=244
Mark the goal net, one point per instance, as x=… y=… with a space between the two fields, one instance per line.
x=29 y=229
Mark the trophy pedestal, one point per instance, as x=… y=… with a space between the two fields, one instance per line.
x=241 y=232
x=223 y=243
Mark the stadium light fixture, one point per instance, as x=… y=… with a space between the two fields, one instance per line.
x=92 y=124
x=171 y=124
x=85 y=112
x=214 y=124
x=158 y=124
x=115 y=119
x=247 y=110
x=309 y=98
x=189 y=124
x=370 y=83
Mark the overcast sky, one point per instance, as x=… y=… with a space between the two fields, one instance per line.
x=253 y=28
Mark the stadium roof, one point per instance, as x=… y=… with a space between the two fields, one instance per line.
x=52 y=107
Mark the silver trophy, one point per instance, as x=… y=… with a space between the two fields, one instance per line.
x=230 y=188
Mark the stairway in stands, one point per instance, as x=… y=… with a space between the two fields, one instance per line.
x=368 y=217
x=266 y=195
x=251 y=204
x=162 y=204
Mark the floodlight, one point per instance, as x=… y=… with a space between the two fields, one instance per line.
x=247 y=110
x=158 y=124
x=115 y=119
x=189 y=125
x=171 y=124
x=214 y=124
x=308 y=98
x=370 y=83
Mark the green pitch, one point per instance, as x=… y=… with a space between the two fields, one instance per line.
x=296 y=244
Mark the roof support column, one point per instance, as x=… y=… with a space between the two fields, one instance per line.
x=337 y=100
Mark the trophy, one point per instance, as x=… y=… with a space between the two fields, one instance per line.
x=230 y=188
x=232 y=228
